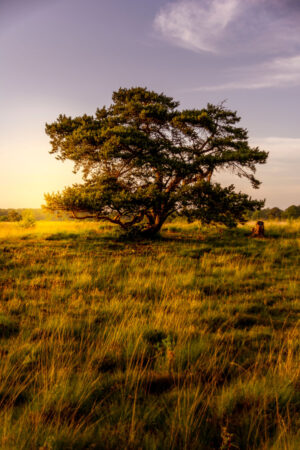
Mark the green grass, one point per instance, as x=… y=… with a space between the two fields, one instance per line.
x=187 y=342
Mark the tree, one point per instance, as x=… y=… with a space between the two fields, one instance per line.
x=10 y=215
x=275 y=213
x=292 y=212
x=142 y=159
x=13 y=216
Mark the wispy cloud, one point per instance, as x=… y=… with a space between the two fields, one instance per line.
x=196 y=25
x=254 y=26
x=279 y=72
x=265 y=30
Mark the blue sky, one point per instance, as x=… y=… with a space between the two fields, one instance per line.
x=67 y=56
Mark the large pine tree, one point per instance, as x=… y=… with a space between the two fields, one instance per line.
x=143 y=159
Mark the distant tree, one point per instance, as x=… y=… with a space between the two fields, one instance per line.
x=10 y=215
x=3 y=212
x=292 y=212
x=274 y=213
x=14 y=216
x=142 y=160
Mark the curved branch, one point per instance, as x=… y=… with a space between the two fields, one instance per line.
x=98 y=217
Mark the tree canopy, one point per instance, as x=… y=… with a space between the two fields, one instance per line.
x=143 y=159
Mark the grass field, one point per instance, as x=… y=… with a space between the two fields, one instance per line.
x=187 y=342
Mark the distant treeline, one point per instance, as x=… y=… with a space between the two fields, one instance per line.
x=15 y=215
x=292 y=212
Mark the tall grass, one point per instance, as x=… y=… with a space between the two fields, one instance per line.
x=187 y=342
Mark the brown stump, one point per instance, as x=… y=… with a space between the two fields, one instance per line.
x=258 y=230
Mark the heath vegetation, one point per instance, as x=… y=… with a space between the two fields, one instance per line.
x=189 y=341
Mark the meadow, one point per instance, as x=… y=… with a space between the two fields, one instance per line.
x=190 y=341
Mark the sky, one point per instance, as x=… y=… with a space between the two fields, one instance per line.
x=68 y=56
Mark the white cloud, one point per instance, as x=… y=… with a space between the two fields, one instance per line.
x=263 y=30
x=230 y=26
x=196 y=25
x=280 y=72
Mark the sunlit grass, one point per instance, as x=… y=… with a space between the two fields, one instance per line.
x=190 y=341
x=10 y=230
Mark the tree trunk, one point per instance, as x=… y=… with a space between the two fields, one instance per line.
x=258 y=230
x=154 y=227
x=151 y=231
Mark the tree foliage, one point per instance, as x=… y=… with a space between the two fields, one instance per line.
x=10 y=215
x=292 y=212
x=143 y=159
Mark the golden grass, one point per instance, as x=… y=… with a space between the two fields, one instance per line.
x=186 y=342
x=14 y=230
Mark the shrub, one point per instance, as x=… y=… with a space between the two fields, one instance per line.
x=28 y=219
